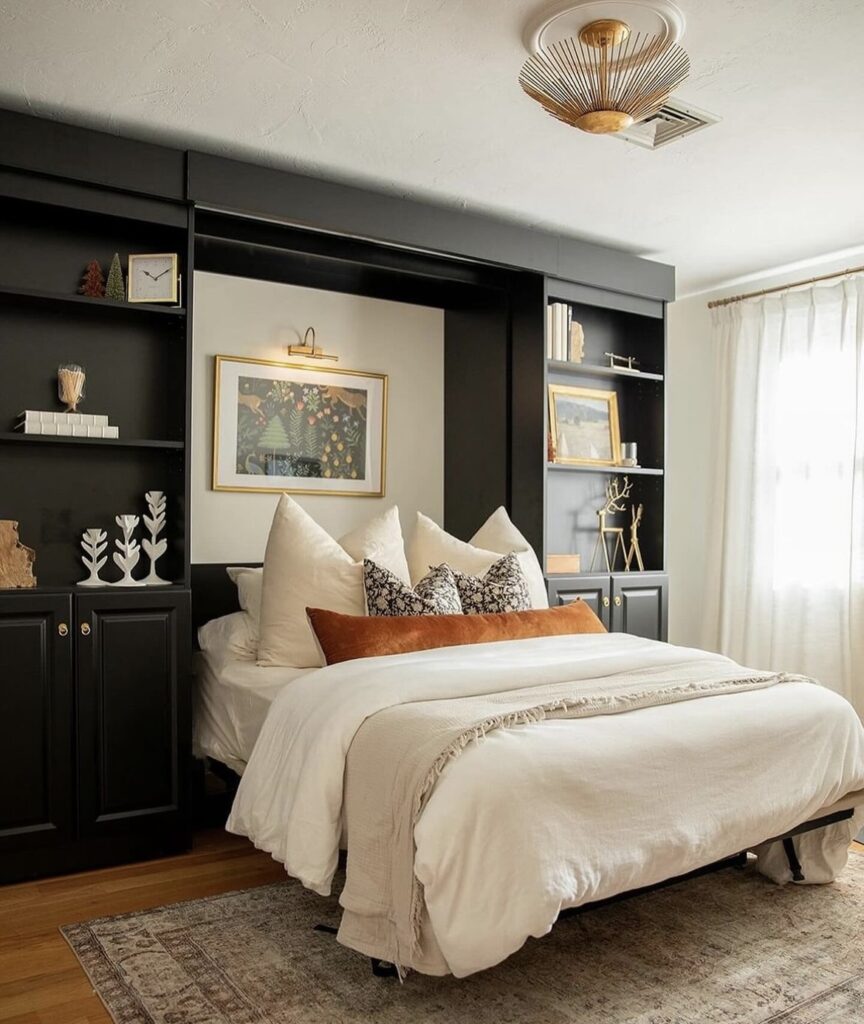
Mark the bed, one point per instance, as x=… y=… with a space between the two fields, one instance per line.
x=487 y=789
x=232 y=699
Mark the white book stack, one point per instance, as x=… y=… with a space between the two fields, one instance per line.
x=559 y=334
x=65 y=424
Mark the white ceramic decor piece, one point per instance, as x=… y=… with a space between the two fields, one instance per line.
x=155 y=523
x=94 y=542
x=128 y=553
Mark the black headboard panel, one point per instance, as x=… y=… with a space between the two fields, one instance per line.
x=213 y=594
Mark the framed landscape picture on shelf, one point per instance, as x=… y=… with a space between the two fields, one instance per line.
x=584 y=426
x=301 y=429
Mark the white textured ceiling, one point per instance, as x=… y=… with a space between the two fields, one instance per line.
x=421 y=98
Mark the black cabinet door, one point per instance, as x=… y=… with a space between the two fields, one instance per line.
x=595 y=591
x=640 y=604
x=36 y=723
x=133 y=711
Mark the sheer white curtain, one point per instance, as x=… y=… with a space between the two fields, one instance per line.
x=786 y=546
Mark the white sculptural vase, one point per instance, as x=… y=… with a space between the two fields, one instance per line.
x=128 y=552
x=153 y=548
x=94 y=542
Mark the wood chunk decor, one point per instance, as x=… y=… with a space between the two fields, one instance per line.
x=16 y=560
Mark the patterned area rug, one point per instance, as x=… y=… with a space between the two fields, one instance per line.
x=727 y=948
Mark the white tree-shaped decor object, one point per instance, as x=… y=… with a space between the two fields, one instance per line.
x=153 y=548
x=94 y=542
x=128 y=552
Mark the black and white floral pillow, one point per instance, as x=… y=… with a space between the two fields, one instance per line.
x=386 y=594
x=503 y=589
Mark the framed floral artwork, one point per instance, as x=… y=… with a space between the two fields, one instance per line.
x=297 y=428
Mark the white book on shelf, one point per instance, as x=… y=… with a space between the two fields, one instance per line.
x=562 y=332
x=64 y=429
x=552 y=313
x=109 y=431
x=549 y=332
x=79 y=430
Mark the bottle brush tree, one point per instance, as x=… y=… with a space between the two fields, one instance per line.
x=114 y=287
x=93 y=281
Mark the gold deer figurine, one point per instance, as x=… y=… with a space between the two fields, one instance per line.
x=635 y=520
x=615 y=498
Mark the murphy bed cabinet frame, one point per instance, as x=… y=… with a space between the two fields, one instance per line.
x=95 y=684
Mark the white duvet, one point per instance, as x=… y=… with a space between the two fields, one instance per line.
x=557 y=813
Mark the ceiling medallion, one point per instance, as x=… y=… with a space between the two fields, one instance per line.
x=606 y=77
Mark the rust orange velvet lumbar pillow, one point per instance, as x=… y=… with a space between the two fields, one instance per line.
x=348 y=637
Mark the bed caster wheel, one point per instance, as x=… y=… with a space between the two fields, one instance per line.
x=383 y=968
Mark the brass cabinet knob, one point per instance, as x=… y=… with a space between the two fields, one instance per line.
x=63 y=629
x=85 y=629
x=605 y=602
x=618 y=601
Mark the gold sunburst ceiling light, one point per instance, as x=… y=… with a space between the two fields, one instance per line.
x=605 y=79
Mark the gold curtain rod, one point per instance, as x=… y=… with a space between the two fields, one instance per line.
x=784 y=287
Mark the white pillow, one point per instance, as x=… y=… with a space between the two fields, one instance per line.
x=248 y=582
x=380 y=540
x=305 y=567
x=498 y=534
x=431 y=545
x=228 y=638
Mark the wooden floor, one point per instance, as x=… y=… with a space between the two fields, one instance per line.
x=41 y=982
x=40 y=979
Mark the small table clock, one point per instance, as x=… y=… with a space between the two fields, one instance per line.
x=153 y=277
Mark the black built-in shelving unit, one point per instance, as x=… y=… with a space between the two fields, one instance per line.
x=95 y=692
x=95 y=695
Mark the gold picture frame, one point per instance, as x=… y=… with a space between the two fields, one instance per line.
x=266 y=426
x=174 y=297
x=584 y=426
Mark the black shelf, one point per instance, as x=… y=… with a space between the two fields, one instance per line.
x=618 y=574
x=589 y=370
x=72 y=588
x=617 y=470
x=11 y=437
x=33 y=296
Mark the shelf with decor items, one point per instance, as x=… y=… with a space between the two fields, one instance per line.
x=99 y=676
x=586 y=389
x=609 y=470
x=34 y=298
x=10 y=437
x=590 y=370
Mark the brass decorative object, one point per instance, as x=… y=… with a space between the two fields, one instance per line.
x=617 y=362
x=308 y=351
x=615 y=499
x=606 y=79
x=634 y=549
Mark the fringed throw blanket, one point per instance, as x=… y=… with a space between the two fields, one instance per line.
x=398 y=755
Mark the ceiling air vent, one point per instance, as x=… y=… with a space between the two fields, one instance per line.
x=673 y=121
